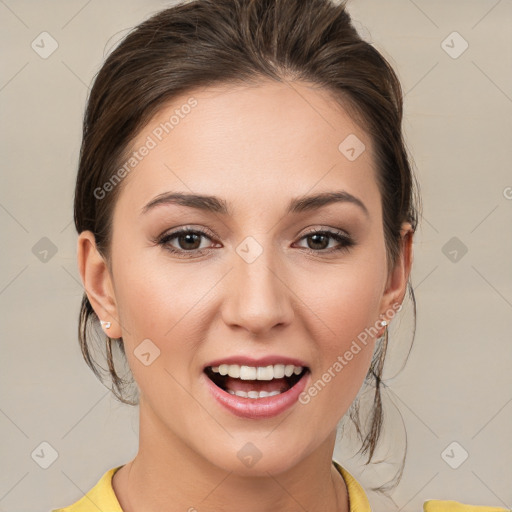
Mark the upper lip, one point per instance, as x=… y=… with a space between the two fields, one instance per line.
x=262 y=361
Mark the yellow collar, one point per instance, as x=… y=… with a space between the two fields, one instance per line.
x=103 y=497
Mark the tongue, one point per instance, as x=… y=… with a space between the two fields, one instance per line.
x=280 y=385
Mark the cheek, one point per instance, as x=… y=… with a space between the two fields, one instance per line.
x=160 y=307
x=345 y=301
x=346 y=309
x=161 y=301
x=149 y=296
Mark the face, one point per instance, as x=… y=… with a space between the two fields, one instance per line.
x=256 y=275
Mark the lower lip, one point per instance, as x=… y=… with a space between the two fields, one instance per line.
x=255 y=408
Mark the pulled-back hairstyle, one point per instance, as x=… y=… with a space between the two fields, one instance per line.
x=204 y=43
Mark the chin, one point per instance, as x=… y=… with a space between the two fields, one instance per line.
x=257 y=458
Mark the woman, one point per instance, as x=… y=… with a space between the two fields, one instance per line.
x=245 y=210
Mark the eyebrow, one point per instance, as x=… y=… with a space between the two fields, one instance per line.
x=217 y=205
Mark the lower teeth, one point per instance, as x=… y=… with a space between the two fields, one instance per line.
x=254 y=394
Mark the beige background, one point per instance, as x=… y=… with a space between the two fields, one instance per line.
x=457 y=383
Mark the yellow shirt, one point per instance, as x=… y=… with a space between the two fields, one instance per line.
x=102 y=497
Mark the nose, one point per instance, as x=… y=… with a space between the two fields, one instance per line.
x=258 y=297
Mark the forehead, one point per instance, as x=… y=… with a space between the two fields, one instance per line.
x=250 y=145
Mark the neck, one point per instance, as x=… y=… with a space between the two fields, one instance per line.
x=168 y=476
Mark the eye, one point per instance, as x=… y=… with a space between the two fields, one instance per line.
x=187 y=241
x=318 y=241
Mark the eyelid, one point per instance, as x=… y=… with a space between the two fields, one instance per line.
x=211 y=234
x=318 y=228
x=185 y=228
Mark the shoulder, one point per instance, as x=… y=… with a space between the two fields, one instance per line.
x=356 y=496
x=100 y=497
x=455 y=506
x=359 y=501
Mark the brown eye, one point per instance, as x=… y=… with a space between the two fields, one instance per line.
x=318 y=241
x=189 y=241
x=185 y=242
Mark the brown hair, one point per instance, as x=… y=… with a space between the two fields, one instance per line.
x=215 y=42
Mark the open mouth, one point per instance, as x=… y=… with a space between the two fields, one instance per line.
x=255 y=382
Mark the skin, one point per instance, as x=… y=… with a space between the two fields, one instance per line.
x=309 y=305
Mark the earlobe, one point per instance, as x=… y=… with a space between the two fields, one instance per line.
x=97 y=283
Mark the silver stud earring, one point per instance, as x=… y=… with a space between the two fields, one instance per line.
x=383 y=323
x=105 y=324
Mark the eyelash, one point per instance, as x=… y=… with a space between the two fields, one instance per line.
x=346 y=242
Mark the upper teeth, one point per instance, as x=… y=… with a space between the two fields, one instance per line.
x=276 y=371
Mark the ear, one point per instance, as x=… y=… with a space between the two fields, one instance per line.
x=396 y=285
x=97 y=283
